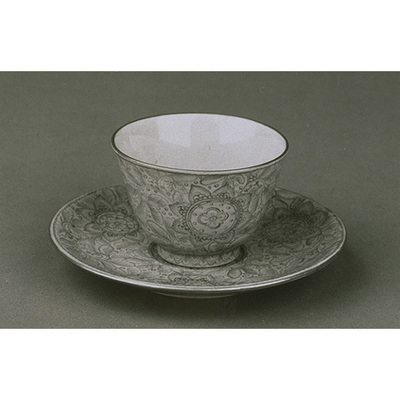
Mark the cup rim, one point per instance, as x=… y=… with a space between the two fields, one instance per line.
x=198 y=171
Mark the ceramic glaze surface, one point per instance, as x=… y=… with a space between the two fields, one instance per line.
x=199 y=183
x=198 y=214
x=200 y=142
x=99 y=232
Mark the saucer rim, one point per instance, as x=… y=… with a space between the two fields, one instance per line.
x=200 y=290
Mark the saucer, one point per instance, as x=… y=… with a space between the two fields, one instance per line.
x=98 y=232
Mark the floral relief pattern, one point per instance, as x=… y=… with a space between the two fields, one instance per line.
x=102 y=226
x=212 y=218
x=99 y=232
x=201 y=213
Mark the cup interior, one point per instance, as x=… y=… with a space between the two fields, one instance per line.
x=206 y=142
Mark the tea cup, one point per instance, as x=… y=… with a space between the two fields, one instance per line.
x=199 y=184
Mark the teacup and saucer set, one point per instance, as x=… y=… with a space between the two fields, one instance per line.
x=199 y=214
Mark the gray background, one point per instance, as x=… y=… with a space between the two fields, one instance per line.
x=343 y=129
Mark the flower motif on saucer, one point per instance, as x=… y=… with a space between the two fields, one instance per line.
x=104 y=225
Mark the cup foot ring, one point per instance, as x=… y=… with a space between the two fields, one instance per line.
x=197 y=261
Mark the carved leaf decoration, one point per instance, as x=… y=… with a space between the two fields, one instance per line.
x=269 y=213
x=67 y=215
x=111 y=266
x=266 y=173
x=120 y=192
x=292 y=244
x=161 y=232
x=196 y=192
x=109 y=196
x=277 y=202
x=142 y=211
x=179 y=197
x=67 y=242
x=153 y=174
x=102 y=246
x=134 y=176
x=134 y=197
x=120 y=241
x=319 y=217
x=124 y=263
x=100 y=203
x=225 y=189
x=171 y=233
x=281 y=213
x=306 y=207
x=250 y=270
x=311 y=240
x=246 y=219
x=86 y=212
x=238 y=178
x=253 y=204
x=210 y=180
x=296 y=204
x=158 y=201
x=155 y=213
x=68 y=228
x=92 y=227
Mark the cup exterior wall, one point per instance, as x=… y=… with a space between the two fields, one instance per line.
x=199 y=214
